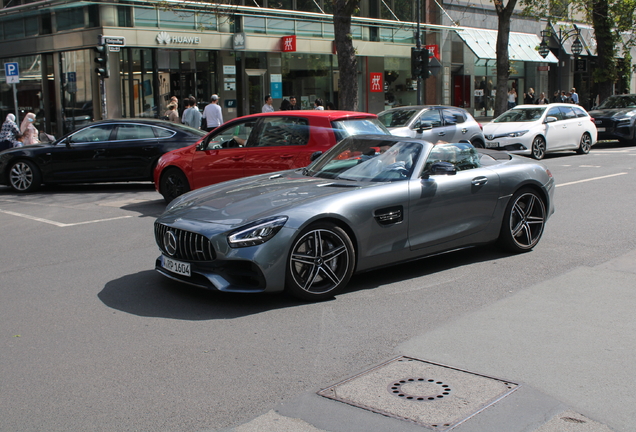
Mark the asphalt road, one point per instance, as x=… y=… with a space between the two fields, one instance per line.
x=93 y=339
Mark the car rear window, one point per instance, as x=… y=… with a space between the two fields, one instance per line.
x=370 y=126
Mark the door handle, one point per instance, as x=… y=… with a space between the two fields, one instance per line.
x=479 y=181
x=287 y=156
x=441 y=133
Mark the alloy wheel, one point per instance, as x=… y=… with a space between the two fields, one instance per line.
x=527 y=220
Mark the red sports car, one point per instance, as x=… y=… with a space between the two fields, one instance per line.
x=258 y=144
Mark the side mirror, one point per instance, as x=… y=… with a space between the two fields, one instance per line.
x=550 y=119
x=424 y=126
x=315 y=155
x=441 y=168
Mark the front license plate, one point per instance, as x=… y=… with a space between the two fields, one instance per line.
x=600 y=129
x=175 y=266
x=492 y=144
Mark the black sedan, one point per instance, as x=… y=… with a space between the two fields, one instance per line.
x=104 y=151
x=615 y=118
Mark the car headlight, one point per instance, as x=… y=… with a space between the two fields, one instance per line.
x=517 y=134
x=256 y=232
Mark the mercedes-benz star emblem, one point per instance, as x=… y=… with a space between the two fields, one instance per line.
x=170 y=243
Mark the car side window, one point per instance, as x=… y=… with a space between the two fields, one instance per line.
x=282 y=131
x=235 y=135
x=568 y=113
x=130 y=132
x=92 y=134
x=462 y=156
x=431 y=117
x=163 y=133
x=555 y=112
x=453 y=116
x=579 y=111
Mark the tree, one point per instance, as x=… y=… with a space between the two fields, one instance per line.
x=347 y=62
x=504 y=13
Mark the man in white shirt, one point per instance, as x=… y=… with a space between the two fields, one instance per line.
x=268 y=107
x=213 y=114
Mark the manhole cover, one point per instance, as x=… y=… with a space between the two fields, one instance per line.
x=429 y=394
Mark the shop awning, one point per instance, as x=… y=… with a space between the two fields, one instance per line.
x=521 y=46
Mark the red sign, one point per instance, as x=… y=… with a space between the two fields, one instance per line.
x=288 y=43
x=376 y=84
x=543 y=68
x=433 y=50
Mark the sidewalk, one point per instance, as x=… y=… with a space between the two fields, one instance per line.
x=569 y=342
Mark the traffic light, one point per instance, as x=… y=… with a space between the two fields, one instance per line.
x=419 y=63
x=101 y=59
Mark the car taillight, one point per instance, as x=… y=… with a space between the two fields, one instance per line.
x=592 y=119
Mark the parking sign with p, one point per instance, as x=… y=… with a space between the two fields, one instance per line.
x=12 y=72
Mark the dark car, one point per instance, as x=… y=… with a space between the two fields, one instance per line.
x=257 y=144
x=615 y=118
x=368 y=202
x=104 y=151
x=433 y=123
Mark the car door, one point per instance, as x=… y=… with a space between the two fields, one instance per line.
x=456 y=118
x=573 y=126
x=221 y=156
x=81 y=155
x=134 y=148
x=277 y=145
x=433 y=126
x=444 y=208
x=555 y=132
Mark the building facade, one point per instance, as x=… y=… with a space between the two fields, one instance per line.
x=244 y=52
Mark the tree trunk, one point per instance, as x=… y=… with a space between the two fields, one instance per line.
x=347 y=62
x=605 y=71
x=503 y=56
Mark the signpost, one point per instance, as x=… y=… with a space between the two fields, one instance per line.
x=12 y=73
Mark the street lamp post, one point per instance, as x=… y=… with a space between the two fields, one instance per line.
x=561 y=37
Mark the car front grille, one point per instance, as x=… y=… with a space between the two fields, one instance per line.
x=184 y=245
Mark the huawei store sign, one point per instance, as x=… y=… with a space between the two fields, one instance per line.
x=164 y=38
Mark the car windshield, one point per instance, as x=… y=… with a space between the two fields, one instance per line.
x=520 y=115
x=619 y=102
x=397 y=118
x=360 y=159
x=348 y=127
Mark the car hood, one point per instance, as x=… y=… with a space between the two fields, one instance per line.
x=614 y=112
x=241 y=201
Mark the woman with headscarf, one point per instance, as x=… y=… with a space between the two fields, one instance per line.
x=29 y=132
x=9 y=133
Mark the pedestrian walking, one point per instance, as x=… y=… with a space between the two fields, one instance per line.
x=285 y=105
x=542 y=100
x=9 y=133
x=318 y=105
x=28 y=130
x=574 y=96
x=212 y=114
x=195 y=114
x=268 y=107
x=294 y=105
x=528 y=98
x=172 y=115
x=512 y=98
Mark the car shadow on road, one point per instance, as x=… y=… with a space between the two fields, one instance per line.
x=150 y=294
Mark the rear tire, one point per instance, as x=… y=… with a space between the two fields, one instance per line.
x=524 y=221
x=173 y=183
x=320 y=262
x=24 y=176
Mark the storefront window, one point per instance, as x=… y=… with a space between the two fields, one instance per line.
x=76 y=68
x=399 y=88
x=29 y=90
x=485 y=88
x=308 y=77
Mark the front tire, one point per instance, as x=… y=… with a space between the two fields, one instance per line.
x=24 y=176
x=320 y=262
x=585 y=145
x=173 y=183
x=524 y=221
x=538 y=147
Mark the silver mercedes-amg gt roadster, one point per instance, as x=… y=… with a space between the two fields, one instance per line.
x=368 y=202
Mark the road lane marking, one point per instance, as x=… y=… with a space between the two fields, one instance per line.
x=60 y=224
x=590 y=179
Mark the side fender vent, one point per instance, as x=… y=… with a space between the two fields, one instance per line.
x=389 y=215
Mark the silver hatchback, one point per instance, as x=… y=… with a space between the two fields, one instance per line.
x=433 y=123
